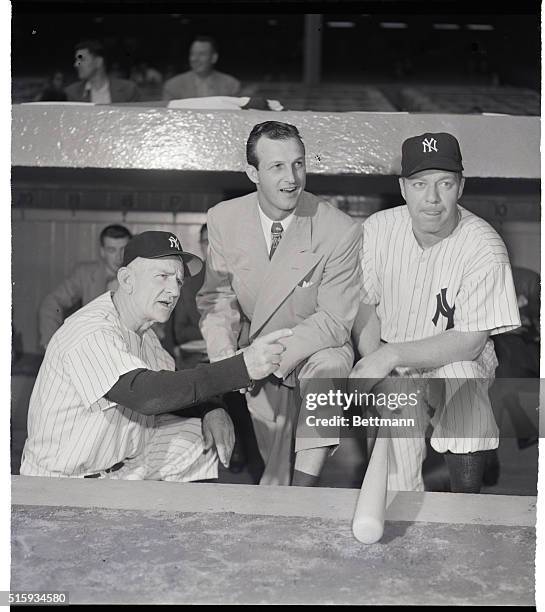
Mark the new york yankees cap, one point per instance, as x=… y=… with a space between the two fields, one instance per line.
x=151 y=245
x=439 y=151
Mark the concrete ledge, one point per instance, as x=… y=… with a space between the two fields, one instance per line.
x=356 y=143
x=506 y=510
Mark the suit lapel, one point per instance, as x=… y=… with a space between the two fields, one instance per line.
x=292 y=261
x=253 y=256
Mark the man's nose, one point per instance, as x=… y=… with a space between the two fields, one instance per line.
x=290 y=174
x=173 y=287
x=432 y=193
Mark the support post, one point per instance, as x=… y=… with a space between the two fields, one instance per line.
x=312 y=53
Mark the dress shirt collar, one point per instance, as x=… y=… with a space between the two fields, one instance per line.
x=266 y=224
x=99 y=96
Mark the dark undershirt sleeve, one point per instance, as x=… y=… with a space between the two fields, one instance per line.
x=149 y=392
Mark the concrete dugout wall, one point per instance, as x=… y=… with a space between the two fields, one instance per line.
x=88 y=136
x=79 y=167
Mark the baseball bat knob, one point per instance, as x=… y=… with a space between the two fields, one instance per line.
x=368 y=521
x=368 y=530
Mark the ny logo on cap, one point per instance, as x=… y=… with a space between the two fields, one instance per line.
x=430 y=144
x=174 y=244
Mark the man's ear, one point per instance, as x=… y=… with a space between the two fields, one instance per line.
x=125 y=278
x=402 y=187
x=252 y=173
x=461 y=187
x=215 y=58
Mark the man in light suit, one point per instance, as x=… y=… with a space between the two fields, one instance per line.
x=282 y=257
x=202 y=80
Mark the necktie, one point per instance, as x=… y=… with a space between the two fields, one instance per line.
x=276 y=234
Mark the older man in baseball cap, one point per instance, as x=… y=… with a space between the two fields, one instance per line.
x=100 y=406
x=437 y=284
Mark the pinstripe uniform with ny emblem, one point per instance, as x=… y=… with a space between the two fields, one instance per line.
x=431 y=269
x=103 y=398
x=74 y=430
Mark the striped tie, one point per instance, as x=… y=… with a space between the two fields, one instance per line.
x=276 y=234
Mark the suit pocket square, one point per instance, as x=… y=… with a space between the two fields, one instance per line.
x=306 y=284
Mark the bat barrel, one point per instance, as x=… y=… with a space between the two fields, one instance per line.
x=368 y=522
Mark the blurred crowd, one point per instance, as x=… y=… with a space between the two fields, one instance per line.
x=99 y=77
x=104 y=83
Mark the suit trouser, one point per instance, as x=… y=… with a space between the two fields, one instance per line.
x=459 y=411
x=278 y=420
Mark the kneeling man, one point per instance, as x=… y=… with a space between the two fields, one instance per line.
x=436 y=285
x=100 y=404
x=282 y=257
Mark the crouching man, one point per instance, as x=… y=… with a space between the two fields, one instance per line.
x=100 y=406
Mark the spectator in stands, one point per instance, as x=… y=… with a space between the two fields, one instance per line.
x=116 y=70
x=95 y=85
x=146 y=75
x=202 y=80
x=54 y=89
x=88 y=281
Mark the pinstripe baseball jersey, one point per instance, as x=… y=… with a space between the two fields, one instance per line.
x=73 y=429
x=463 y=282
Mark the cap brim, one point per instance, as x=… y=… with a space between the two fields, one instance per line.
x=438 y=163
x=193 y=263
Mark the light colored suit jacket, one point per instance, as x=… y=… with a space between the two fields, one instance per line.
x=189 y=85
x=311 y=285
x=87 y=281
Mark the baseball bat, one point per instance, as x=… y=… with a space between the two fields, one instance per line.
x=368 y=521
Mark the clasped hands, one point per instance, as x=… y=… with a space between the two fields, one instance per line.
x=262 y=358
x=374 y=367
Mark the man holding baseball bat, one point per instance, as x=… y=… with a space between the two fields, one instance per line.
x=100 y=405
x=437 y=284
